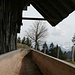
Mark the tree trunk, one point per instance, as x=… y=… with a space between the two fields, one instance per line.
x=36 y=45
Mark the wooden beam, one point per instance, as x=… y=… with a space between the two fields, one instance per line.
x=26 y=18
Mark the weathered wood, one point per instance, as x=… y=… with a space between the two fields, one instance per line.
x=53 y=11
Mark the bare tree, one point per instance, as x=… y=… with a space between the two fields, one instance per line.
x=37 y=32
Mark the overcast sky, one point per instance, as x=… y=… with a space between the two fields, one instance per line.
x=60 y=34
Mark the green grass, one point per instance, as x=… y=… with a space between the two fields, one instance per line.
x=19 y=45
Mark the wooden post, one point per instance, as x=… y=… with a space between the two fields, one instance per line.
x=73 y=53
x=58 y=51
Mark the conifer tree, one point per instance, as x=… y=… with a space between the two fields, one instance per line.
x=51 y=50
x=45 y=48
x=23 y=40
x=28 y=42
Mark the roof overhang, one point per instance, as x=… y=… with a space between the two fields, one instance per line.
x=54 y=10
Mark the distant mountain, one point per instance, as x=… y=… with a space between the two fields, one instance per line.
x=69 y=55
x=67 y=46
x=68 y=50
x=64 y=48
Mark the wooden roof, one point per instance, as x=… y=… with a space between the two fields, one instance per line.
x=54 y=10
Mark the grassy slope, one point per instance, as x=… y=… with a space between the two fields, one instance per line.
x=19 y=45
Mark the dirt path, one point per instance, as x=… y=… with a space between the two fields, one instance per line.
x=14 y=63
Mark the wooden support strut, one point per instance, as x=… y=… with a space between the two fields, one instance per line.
x=28 y=18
